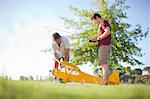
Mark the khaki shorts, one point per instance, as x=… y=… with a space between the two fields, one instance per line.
x=103 y=53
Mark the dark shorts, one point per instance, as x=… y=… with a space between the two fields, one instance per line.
x=103 y=53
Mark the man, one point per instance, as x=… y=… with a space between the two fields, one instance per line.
x=104 y=43
x=61 y=48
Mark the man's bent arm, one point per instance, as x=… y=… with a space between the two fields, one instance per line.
x=105 y=34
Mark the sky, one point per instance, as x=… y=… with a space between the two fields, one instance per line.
x=23 y=35
x=139 y=13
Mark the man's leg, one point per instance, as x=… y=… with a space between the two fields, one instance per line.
x=105 y=69
x=103 y=53
x=55 y=67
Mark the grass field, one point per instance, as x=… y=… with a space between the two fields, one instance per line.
x=51 y=90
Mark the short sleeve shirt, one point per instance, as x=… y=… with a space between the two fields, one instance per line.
x=60 y=50
x=101 y=30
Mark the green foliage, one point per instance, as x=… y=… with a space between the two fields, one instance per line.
x=125 y=36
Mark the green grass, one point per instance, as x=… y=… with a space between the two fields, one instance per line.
x=49 y=90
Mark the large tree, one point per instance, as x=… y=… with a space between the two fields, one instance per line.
x=125 y=36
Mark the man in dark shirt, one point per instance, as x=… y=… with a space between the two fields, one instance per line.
x=104 y=43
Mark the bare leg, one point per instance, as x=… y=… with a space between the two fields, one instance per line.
x=105 y=69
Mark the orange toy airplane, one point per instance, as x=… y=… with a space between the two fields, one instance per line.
x=70 y=72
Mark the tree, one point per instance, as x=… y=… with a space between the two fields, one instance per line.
x=23 y=78
x=147 y=69
x=31 y=77
x=125 y=36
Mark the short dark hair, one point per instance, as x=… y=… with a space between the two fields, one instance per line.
x=56 y=36
x=94 y=16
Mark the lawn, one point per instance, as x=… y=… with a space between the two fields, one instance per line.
x=51 y=90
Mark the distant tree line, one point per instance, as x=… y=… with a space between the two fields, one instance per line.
x=5 y=77
x=128 y=76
